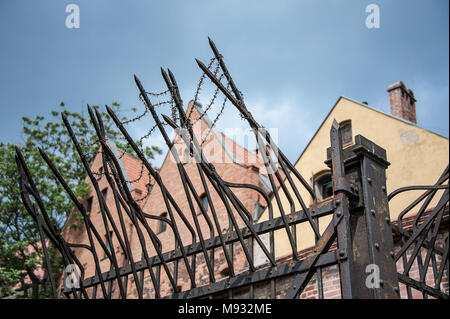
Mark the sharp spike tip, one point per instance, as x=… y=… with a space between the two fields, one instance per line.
x=136 y=79
x=335 y=124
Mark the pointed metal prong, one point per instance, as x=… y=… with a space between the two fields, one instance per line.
x=20 y=156
x=213 y=47
x=201 y=65
x=334 y=133
x=17 y=149
x=177 y=98
x=91 y=114
x=108 y=109
x=44 y=156
x=335 y=124
x=166 y=78
x=120 y=126
x=172 y=77
x=63 y=117
x=219 y=85
x=139 y=84
x=218 y=56
x=100 y=123
x=142 y=91
x=114 y=117
x=174 y=85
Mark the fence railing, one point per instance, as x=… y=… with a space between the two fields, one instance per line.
x=422 y=256
x=359 y=234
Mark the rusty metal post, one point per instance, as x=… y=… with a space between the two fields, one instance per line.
x=365 y=242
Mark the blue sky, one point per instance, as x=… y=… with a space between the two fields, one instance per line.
x=291 y=59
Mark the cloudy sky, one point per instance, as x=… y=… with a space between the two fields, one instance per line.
x=291 y=59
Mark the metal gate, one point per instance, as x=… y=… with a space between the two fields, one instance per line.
x=360 y=232
x=422 y=255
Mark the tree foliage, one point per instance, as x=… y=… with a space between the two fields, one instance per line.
x=20 y=251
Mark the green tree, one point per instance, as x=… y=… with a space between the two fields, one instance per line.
x=18 y=232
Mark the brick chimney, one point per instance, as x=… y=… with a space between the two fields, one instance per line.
x=403 y=103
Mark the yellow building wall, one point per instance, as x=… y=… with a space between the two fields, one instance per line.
x=417 y=157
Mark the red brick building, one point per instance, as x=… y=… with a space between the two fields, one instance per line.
x=233 y=163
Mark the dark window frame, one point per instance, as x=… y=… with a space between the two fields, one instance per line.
x=89 y=202
x=107 y=244
x=205 y=203
x=162 y=224
x=259 y=210
x=100 y=173
x=323 y=185
x=105 y=193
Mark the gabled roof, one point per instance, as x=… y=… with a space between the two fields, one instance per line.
x=369 y=108
x=132 y=168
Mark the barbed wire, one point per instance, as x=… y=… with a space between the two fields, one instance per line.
x=200 y=83
x=210 y=104
x=219 y=114
x=136 y=118
x=213 y=64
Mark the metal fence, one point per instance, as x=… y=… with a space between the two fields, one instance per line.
x=360 y=232
x=422 y=257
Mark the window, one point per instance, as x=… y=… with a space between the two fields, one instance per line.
x=259 y=209
x=109 y=244
x=100 y=173
x=104 y=193
x=204 y=202
x=162 y=224
x=323 y=186
x=346 y=131
x=89 y=204
x=225 y=271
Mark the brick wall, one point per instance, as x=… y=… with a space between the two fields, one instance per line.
x=235 y=164
x=245 y=168
x=331 y=281
x=80 y=236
